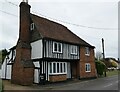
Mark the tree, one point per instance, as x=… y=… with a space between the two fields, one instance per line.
x=99 y=55
x=3 y=54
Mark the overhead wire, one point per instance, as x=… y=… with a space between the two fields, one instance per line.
x=74 y=24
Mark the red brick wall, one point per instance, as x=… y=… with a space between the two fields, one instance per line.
x=56 y=78
x=87 y=59
x=21 y=73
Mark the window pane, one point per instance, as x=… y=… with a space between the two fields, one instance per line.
x=87 y=51
x=89 y=67
x=57 y=67
x=64 y=68
x=50 y=67
x=59 y=47
x=55 y=46
x=61 y=68
x=54 y=68
x=74 y=49
x=86 y=67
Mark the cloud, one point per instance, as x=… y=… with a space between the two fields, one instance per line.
x=99 y=13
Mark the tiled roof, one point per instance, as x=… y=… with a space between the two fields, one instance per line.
x=56 y=31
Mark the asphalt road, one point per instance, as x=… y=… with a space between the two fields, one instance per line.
x=107 y=83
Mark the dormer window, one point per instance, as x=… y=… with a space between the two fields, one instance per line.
x=57 y=47
x=32 y=26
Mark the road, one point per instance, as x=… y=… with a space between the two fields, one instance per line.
x=107 y=83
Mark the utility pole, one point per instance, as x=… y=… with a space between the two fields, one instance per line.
x=103 y=53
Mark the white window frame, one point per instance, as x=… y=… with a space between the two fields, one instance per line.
x=88 y=66
x=73 y=49
x=57 y=73
x=57 y=47
x=87 y=51
x=32 y=26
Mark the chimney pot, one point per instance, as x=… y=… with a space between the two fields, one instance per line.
x=26 y=1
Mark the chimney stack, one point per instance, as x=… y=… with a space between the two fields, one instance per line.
x=23 y=67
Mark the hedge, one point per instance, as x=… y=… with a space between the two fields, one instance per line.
x=100 y=66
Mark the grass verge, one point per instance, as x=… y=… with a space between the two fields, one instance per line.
x=111 y=73
x=1 y=86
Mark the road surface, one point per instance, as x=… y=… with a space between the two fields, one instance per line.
x=107 y=83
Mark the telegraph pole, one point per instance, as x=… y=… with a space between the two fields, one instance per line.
x=103 y=53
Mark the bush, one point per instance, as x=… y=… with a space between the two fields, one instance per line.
x=100 y=66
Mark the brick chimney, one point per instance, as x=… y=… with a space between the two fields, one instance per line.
x=23 y=67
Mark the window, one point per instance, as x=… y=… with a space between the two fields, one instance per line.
x=88 y=67
x=87 y=51
x=54 y=67
x=32 y=26
x=58 y=68
x=73 y=49
x=50 y=67
x=57 y=47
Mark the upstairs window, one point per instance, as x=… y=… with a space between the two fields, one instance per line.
x=88 y=67
x=87 y=51
x=57 y=47
x=73 y=49
x=32 y=26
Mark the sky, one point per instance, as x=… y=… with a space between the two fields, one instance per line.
x=91 y=20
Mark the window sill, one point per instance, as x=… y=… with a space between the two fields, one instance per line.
x=87 y=71
x=87 y=54
x=57 y=73
x=57 y=52
x=74 y=54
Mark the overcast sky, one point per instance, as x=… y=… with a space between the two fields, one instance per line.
x=91 y=20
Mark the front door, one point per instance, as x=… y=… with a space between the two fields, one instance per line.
x=68 y=70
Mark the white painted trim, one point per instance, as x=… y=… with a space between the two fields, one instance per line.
x=57 y=47
x=59 y=68
x=87 y=66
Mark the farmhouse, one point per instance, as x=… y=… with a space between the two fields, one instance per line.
x=47 y=51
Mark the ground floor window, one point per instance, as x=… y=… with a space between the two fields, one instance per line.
x=87 y=67
x=57 y=68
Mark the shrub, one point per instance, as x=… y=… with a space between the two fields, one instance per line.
x=100 y=66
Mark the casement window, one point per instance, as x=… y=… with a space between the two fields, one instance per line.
x=87 y=51
x=87 y=67
x=73 y=49
x=32 y=26
x=57 y=68
x=57 y=47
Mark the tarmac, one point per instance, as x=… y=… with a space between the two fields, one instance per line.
x=8 y=86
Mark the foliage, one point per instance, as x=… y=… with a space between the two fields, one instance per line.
x=100 y=66
x=3 y=54
x=114 y=64
x=110 y=62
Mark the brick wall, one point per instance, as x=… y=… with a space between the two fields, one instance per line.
x=23 y=68
x=87 y=59
x=56 y=78
x=22 y=74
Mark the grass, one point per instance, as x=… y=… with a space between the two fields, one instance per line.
x=111 y=73
x=1 y=86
